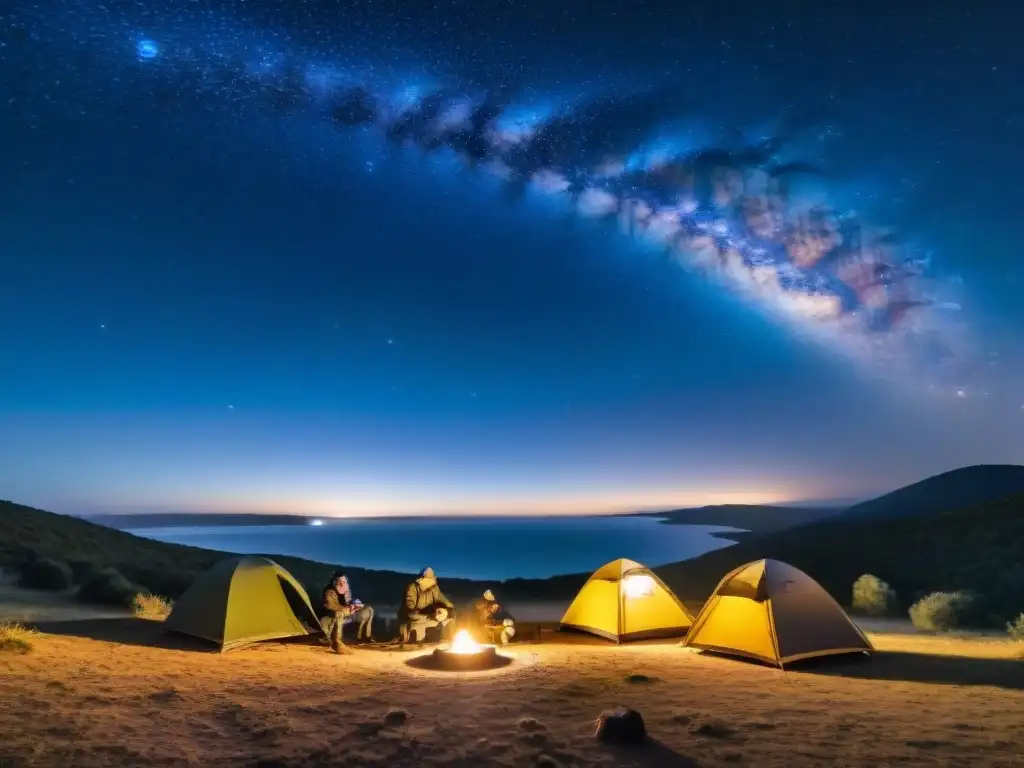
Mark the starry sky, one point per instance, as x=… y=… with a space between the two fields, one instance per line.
x=210 y=306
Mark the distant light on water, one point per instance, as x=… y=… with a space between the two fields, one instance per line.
x=147 y=49
x=316 y=522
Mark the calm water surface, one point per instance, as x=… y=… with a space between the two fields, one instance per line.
x=479 y=548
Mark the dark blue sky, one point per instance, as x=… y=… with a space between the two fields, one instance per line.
x=205 y=305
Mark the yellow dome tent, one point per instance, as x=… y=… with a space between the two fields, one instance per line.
x=624 y=600
x=775 y=613
x=243 y=600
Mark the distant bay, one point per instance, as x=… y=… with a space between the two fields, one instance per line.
x=486 y=548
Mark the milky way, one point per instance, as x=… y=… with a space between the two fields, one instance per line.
x=752 y=216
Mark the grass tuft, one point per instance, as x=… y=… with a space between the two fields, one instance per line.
x=147 y=606
x=15 y=638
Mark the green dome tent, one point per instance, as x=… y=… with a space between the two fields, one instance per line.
x=243 y=600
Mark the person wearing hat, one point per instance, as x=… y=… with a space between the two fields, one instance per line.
x=425 y=606
x=491 y=616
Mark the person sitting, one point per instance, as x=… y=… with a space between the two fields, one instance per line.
x=361 y=616
x=425 y=606
x=493 y=618
x=335 y=611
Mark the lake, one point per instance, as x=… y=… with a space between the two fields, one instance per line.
x=474 y=548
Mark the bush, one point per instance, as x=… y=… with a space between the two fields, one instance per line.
x=1015 y=629
x=873 y=597
x=14 y=638
x=941 y=611
x=43 y=573
x=146 y=606
x=108 y=587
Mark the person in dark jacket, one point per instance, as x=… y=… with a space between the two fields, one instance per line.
x=491 y=616
x=425 y=606
x=335 y=610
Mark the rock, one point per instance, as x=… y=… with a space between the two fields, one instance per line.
x=640 y=679
x=621 y=726
x=531 y=724
x=395 y=716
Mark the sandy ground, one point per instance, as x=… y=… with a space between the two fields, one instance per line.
x=118 y=692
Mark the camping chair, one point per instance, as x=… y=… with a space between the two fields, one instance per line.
x=419 y=626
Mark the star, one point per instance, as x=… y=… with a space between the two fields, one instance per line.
x=391 y=341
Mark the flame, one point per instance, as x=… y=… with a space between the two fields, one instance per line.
x=463 y=643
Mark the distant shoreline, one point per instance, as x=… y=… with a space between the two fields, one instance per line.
x=746 y=519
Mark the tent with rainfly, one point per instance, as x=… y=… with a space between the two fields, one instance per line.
x=624 y=600
x=775 y=613
x=243 y=600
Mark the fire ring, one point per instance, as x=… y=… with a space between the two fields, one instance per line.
x=485 y=657
x=463 y=655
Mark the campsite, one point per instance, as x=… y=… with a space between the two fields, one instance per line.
x=750 y=655
x=769 y=671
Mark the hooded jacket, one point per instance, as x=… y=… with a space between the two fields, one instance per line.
x=419 y=599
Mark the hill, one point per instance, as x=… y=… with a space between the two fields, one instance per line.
x=977 y=548
x=191 y=519
x=755 y=518
x=951 y=490
x=168 y=569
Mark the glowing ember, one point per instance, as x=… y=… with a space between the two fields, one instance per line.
x=463 y=643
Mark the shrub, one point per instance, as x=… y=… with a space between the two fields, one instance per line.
x=873 y=597
x=941 y=611
x=146 y=606
x=14 y=638
x=108 y=587
x=43 y=573
x=1015 y=629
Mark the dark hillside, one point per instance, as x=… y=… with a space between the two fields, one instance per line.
x=978 y=548
x=951 y=490
x=168 y=569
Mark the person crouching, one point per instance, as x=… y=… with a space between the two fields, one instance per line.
x=494 y=619
x=425 y=606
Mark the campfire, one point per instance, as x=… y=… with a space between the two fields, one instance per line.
x=464 y=643
x=464 y=654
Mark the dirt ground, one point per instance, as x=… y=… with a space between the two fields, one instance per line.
x=116 y=691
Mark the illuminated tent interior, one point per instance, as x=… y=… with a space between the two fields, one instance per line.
x=774 y=613
x=241 y=601
x=623 y=601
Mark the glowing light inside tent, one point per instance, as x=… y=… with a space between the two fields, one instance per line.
x=638 y=585
x=464 y=644
x=316 y=522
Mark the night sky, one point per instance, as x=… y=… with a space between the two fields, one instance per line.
x=211 y=300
